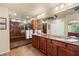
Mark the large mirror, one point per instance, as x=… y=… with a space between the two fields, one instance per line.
x=73 y=23
x=73 y=28
x=66 y=24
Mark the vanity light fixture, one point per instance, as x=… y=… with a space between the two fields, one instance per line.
x=62 y=6
x=55 y=17
x=69 y=4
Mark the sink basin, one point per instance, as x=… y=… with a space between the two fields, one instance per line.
x=72 y=40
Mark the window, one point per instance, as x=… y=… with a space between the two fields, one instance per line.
x=75 y=27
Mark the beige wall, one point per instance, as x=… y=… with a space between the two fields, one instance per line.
x=4 y=34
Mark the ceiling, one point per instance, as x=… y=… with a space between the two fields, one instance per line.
x=23 y=10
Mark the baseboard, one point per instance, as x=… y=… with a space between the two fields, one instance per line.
x=20 y=46
x=4 y=52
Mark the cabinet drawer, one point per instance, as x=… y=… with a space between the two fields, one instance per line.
x=51 y=50
x=61 y=44
x=65 y=52
x=72 y=47
x=49 y=41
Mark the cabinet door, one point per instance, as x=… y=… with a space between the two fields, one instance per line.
x=65 y=52
x=43 y=45
x=33 y=40
x=73 y=48
x=37 y=42
x=51 y=48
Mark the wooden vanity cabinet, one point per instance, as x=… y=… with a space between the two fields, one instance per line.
x=65 y=52
x=35 y=41
x=51 y=48
x=43 y=45
x=59 y=43
x=62 y=49
x=74 y=49
x=68 y=50
x=39 y=43
x=58 y=48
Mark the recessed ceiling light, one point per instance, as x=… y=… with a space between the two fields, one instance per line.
x=62 y=6
x=56 y=8
x=14 y=14
x=69 y=4
x=27 y=16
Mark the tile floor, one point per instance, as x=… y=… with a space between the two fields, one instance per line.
x=27 y=50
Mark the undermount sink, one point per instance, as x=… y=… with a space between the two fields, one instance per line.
x=72 y=40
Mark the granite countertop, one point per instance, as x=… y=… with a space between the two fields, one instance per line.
x=59 y=38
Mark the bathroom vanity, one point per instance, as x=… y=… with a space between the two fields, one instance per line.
x=56 y=46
